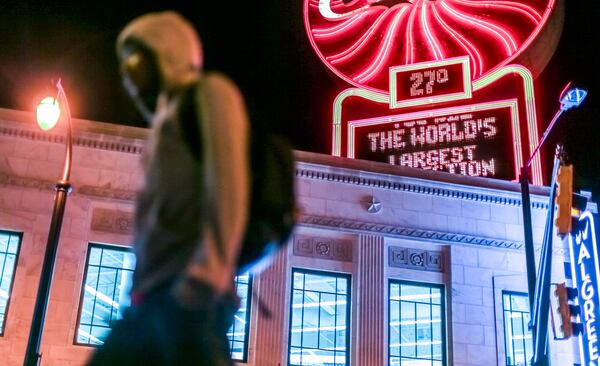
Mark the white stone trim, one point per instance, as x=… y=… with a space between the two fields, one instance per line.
x=91 y=134
x=404 y=232
x=417 y=185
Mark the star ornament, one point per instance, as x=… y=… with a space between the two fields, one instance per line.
x=374 y=205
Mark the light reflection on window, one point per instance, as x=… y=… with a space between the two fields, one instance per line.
x=517 y=336
x=105 y=294
x=319 y=321
x=238 y=333
x=416 y=324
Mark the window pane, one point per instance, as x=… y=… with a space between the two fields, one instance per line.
x=9 y=247
x=105 y=294
x=319 y=316
x=436 y=296
x=424 y=331
x=342 y=307
x=238 y=333
x=94 y=256
x=517 y=336
x=416 y=324
x=342 y=285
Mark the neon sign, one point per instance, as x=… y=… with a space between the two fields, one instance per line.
x=429 y=82
x=361 y=40
x=463 y=140
x=425 y=123
x=586 y=274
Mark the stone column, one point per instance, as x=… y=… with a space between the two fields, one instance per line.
x=270 y=333
x=370 y=289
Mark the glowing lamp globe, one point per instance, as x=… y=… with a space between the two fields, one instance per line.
x=47 y=113
x=572 y=98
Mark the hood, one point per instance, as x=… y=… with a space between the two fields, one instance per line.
x=175 y=43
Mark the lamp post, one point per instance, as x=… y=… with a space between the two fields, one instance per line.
x=569 y=98
x=47 y=115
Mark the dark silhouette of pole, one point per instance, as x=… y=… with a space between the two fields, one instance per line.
x=63 y=187
x=527 y=225
x=569 y=98
x=540 y=315
x=528 y=238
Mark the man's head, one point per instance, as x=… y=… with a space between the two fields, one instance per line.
x=158 y=53
x=141 y=76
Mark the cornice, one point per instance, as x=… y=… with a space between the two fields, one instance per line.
x=440 y=237
x=94 y=143
x=404 y=232
x=363 y=173
x=90 y=134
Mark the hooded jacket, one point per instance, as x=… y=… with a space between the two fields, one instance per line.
x=191 y=211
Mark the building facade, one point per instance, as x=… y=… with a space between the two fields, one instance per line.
x=387 y=265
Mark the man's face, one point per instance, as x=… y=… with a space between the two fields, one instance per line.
x=141 y=78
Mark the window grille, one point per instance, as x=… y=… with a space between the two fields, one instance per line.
x=417 y=324
x=238 y=333
x=105 y=293
x=319 y=318
x=10 y=243
x=517 y=336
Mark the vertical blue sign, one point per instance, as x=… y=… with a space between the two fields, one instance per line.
x=586 y=273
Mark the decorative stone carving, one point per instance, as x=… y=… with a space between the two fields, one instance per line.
x=25 y=182
x=426 y=260
x=303 y=247
x=112 y=221
x=119 y=194
x=403 y=232
x=44 y=185
x=323 y=248
x=373 y=205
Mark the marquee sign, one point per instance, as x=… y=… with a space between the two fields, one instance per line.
x=585 y=270
x=434 y=86
x=467 y=140
x=436 y=118
x=420 y=84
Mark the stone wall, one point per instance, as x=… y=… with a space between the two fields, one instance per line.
x=467 y=224
x=371 y=221
x=105 y=176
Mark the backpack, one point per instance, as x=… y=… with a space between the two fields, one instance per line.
x=272 y=202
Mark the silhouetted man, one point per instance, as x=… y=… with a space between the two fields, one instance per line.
x=191 y=212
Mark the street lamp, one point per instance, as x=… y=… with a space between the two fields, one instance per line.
x=569 y=98
x=47 y=115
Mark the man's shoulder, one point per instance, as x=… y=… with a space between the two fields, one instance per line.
x=219 y=98
x=217 y=82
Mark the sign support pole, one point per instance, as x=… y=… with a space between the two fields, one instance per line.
x=528 y=236
x=542 y=288
x=539 y=297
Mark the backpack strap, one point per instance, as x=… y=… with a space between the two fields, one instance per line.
x=188 y=122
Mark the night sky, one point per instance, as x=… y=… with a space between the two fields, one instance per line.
x=263 y=47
